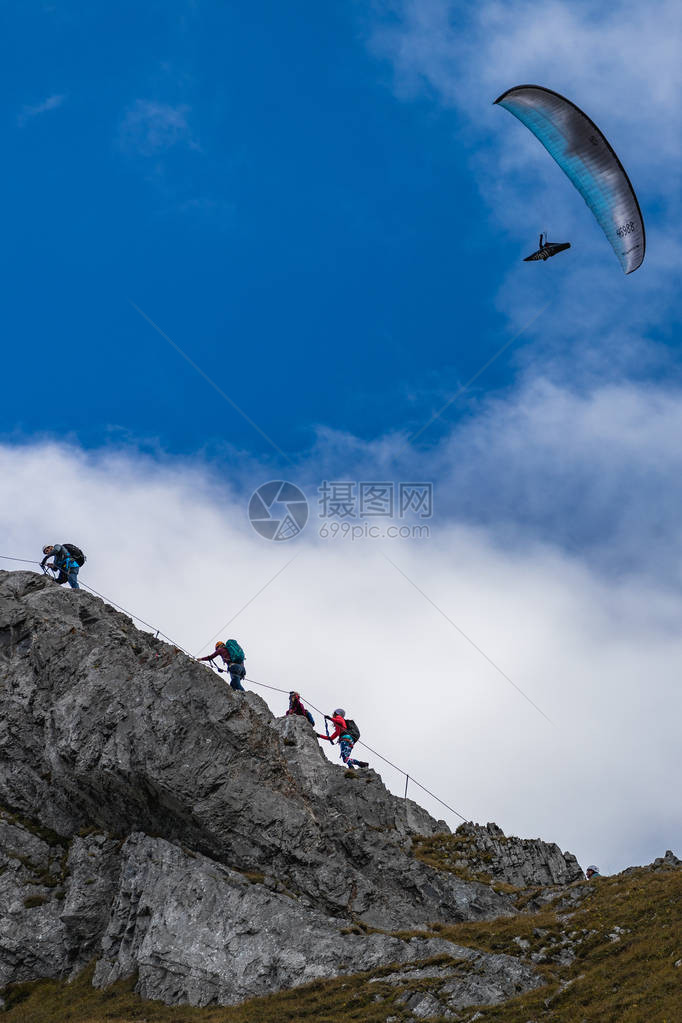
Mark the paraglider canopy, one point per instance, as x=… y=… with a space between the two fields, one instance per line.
x=585 y=156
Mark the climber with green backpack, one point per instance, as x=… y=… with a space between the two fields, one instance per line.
x=233 y=656
x=347 y=732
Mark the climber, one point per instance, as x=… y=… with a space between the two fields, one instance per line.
x=233 y=656
x=347 y=732
x=67 y=559
x=297 y=708
x=592 y=871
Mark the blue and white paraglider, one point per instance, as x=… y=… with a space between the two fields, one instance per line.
x=587 y=159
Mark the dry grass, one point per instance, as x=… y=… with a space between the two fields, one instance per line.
x=363 y=998
x=458 y=854
x=629 y=980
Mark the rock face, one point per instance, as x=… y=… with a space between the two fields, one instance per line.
x=522 y=862
x=263 y=851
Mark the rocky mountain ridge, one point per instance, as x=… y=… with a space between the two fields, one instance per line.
x=157 y=823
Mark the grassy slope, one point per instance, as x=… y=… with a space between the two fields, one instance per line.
x=617 y=977
x=632 y=979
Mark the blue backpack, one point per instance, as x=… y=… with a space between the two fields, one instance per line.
x=76 y=553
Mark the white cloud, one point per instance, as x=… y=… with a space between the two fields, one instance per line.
x=600 y=655
x=557 y=525
x=621 y=60
x=50 y=103
x=151 y=128
x=595 y=470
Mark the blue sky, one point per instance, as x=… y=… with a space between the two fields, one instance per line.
x=321 y=206
x=318 y=246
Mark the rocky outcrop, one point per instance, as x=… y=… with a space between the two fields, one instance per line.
x=199 y=932
x=666 y=862
x=107 y=727
x=195 y=931
x=32 y=934
x=477 y=979
x=522 y=862
x=265 y=856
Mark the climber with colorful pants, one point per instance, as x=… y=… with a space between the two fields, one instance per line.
x=347 y=732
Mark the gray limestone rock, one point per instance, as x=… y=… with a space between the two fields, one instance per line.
x=107 y=727
x=667 y=862
x=479 y=978
x=198 y=932
x=55 y=899
x=92 y=880
x=522 y=862
x=32 y=935
x=264 y=853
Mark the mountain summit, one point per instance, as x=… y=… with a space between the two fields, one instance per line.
x=157 y=824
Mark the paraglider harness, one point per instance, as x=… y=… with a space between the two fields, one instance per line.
x=546 y=249
x=60 y=572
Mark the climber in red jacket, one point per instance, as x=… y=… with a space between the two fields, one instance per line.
x=346 y=739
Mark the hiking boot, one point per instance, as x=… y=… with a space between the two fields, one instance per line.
x=362 y=763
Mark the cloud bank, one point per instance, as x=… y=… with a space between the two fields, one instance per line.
x=556 y=534
x=599 y=655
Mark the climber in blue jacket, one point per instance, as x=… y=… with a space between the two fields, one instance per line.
x=64 y=564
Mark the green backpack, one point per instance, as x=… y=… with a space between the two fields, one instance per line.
x=235 y=652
